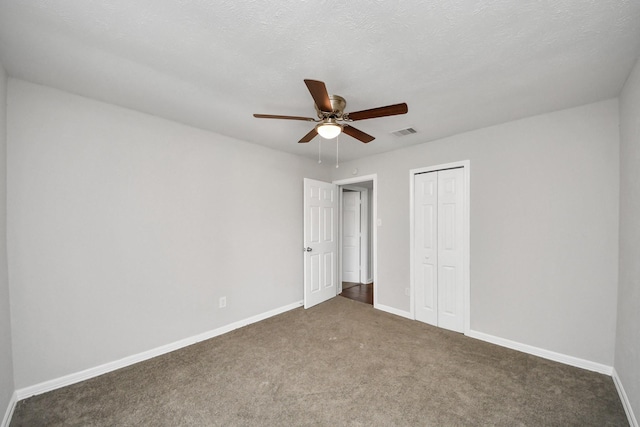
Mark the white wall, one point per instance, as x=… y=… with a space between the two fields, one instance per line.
x=6 y=363
x=124 y=230
x=627 y=361
x=544 y=226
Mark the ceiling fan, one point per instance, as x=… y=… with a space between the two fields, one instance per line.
x=332 y=120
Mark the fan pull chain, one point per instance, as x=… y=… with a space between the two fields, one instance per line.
x=337 y=145
x=320 y=150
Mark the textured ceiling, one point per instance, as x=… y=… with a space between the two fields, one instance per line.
x=458 y=64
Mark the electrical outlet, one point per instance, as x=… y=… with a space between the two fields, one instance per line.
x=223 y=302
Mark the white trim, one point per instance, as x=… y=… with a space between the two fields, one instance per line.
x=353 y=188
x=365 y=244
x=9 y=412
x=158 y=351
x=395 y=311
x=339 y=246
x=466 y=220
x=540 y=352
x=357 y=179
x=633 y=421
x=374 y=202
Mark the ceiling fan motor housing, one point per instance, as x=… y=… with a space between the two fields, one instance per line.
x=338 y=105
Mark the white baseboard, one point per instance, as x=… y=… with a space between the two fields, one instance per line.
x=395 y=311
x=9 y=412
x=130 y=360
x=540 y=352
x=633 y=421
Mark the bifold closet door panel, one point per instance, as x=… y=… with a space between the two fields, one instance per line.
x=426 y=247
x=450 y=249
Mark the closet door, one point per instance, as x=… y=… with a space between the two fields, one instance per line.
x=438 y=248
x=450 y=249
x=426 y=247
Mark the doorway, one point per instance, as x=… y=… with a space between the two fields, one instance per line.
x=357 y=237
x=440 y=245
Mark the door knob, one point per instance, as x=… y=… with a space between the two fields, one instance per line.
x=307 y=249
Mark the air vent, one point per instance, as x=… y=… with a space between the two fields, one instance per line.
x=403 y=132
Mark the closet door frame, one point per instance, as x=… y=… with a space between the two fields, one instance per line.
x=466 y=165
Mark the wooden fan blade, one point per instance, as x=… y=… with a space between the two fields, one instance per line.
x=357 y=134
x=319 y=94
x=272 y=116
x=389 y=110
x=308 y=137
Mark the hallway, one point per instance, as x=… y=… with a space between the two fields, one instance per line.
x=358 y=292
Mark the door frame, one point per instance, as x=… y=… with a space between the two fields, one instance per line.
x=466 y=223
x=373 y=240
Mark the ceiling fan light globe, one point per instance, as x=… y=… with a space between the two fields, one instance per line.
x=329 y=130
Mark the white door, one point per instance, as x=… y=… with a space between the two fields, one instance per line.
x=351 y=236
x=438 y=248
x=320 y=241
x=450 y=249
x=426 y=247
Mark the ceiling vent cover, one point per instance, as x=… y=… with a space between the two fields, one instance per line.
x=403 y=132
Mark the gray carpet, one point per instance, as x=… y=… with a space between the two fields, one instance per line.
x=339 y=363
